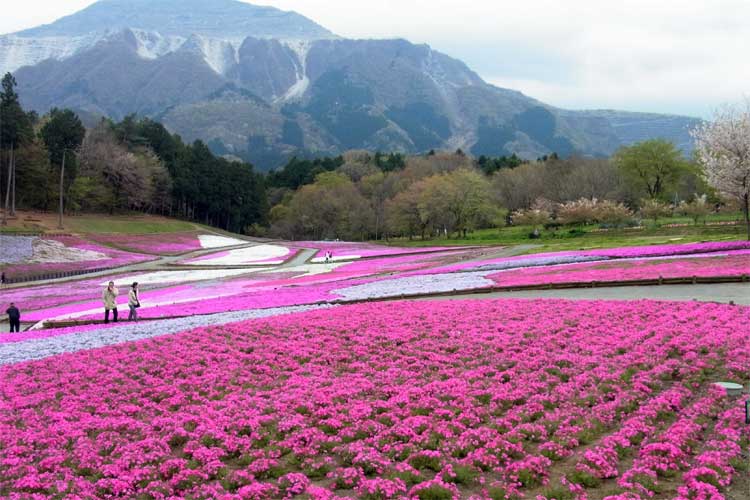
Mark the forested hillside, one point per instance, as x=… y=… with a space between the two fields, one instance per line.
x=115 y=167
x=137 y=165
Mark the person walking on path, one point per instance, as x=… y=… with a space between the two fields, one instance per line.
x=14 y=317
x=2 y=278
x=133 y=302
x=110 y=301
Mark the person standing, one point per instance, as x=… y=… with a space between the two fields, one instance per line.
x=110 y=301
x=14 y=317
x=2 y=278
x=133 y=302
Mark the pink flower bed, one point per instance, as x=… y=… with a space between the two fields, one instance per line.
x=676 y=249
x=552 y=258
x=344 y=249
x=94 y=301
x=156 y=243
x=262 y=290
x=410 y=400
x=30 y=298
x=737 y=264
x=114 y=258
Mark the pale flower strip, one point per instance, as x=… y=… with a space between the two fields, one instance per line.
x=164 y=277
x=266 y=254
x=15 y=248
x=381 y=399
x=214 y=241
x=346 y=250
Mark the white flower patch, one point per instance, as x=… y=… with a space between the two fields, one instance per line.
x=552 y=260
x=51 y=252
x=214 y=241
x=162 y=277
x=310 y=269
x=412 y=285
x=16 y=248
x=337 y=258
x=265 y=254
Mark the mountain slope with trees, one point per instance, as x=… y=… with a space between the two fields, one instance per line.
x=118 y=167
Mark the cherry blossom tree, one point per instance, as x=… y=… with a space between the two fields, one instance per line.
x=723 y=147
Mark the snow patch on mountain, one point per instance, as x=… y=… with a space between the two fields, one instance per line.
x=300 y=48
x=219 y=53
x=17 y=51
x=152 y=45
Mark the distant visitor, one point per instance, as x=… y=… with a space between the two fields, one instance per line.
x=133 y=303
x=14 y=318
x=110 y=301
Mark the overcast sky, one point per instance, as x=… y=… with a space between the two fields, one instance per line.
x=676 y=56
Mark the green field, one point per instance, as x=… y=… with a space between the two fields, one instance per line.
x=592 y=236
x=96 y=223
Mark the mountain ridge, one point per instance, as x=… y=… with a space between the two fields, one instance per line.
x=319 y=95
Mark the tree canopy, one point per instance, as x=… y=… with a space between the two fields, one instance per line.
x=653 y=166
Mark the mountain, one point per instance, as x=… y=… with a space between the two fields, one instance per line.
x=263 y=84
x=161 y=25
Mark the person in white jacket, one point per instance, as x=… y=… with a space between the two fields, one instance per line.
x=109 y=297
x=133 y=302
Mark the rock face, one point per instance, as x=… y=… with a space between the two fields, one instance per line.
x=263 y=84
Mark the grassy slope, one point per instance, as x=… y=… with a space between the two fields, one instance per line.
x=82 y=224
x=563 y=239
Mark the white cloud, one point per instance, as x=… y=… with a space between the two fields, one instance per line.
x=674 y=55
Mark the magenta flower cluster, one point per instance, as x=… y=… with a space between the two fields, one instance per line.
x=156 y=243
x=478 y=399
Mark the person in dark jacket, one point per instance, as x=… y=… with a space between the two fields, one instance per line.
x=14 y=317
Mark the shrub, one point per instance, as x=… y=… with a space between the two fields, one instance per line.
x=584 y=479
x=435 y=492
x=653 y=209
x=531 y=217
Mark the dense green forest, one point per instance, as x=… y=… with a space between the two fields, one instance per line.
x=136 y=165
x=133 y=165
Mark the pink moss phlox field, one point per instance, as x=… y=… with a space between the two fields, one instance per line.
x=156 y=243
x=31 y=298
x=674 y=249
x=92 y=300
x=707 y=266
x=342 y=249
x=552 y=258
x=478 y=399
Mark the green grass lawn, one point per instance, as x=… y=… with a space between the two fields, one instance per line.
x=587 y=237
x=97 y=223
x=128 y=225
